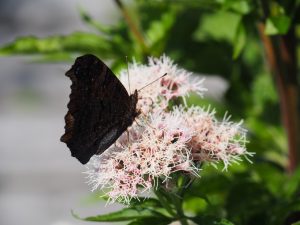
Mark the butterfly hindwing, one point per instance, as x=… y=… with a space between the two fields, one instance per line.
x=100 y=109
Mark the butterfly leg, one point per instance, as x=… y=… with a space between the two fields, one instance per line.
x=127 y=136
x=145 y=121
x=137 y=123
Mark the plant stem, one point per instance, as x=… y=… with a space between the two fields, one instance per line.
x=281 y=57
x=132 y=25
x=175 y=198
x=180 y=213
x=179 y=199
x=167 y=200
x=164 y=203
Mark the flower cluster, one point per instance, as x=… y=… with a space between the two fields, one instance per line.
x=163 y=140
x=177 y=83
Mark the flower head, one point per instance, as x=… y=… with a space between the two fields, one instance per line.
x=163 y=141
x=177 y=83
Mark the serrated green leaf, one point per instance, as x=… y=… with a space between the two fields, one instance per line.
x=277 y=25
x=145 y=202
x=125 y=214
x=53 y=57
x=239 y=40
x=139 y=209
x=151 y=221
x=78 y=42
x=87 y=18
x=141 y=201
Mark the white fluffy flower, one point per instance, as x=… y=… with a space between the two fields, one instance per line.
x=164 y=141
x=177 y=83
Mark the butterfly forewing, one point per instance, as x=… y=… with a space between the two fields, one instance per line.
x=100 y=109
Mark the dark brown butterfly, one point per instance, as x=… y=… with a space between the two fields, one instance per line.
x=100 y=109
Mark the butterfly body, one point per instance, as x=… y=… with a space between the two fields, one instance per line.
x=100 y=109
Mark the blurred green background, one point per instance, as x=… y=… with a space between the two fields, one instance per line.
x=224 y=38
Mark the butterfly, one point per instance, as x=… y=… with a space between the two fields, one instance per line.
x=99 y=110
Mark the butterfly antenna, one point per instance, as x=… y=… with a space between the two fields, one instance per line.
x=152 y=82
x=128 y=75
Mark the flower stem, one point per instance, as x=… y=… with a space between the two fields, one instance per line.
x=173 y=201
x=180 y=213
x=164 y=202
x=167 y=200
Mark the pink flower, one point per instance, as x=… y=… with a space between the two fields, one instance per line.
x=215 y=141
x=164 y=141
x=177 y=83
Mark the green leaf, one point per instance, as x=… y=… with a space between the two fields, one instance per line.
x=139 y=209
x=239 y=40
x=284 y=211
x=125 y=214
x=263 y=93
x=277 y=25
x=149 y=203
x=210 y=220
x=271 y=177
x=195 y=205
x=77 y=42
x=140 y=202
x=240 y=6
x=248 y=199
x=87 y=18
x=219 y=26
x=158 y=30
x=224 y=222
x=293 y=184
x=145 y=202
x=151 y=221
